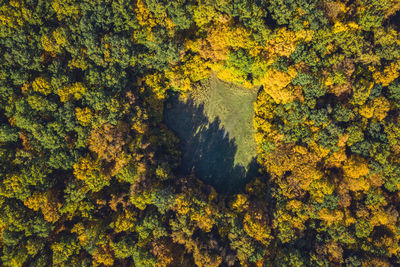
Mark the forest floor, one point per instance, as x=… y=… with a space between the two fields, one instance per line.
x=215 y=126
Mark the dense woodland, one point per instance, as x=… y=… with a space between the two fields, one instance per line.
x=88 y=167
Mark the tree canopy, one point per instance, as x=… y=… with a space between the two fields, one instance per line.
x=89 y=171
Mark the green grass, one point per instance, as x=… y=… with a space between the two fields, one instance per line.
x=234 y=106
x=215 y=125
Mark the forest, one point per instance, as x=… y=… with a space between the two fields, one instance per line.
x=90 y=171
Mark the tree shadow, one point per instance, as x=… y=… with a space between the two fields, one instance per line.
x=207 y=150
x=394 y=20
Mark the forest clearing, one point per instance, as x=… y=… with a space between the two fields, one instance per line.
x=215 y=125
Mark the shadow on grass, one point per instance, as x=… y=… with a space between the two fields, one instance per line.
x=207 y=150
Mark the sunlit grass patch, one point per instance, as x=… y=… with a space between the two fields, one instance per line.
x=215 y=126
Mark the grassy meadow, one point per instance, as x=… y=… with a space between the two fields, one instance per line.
x=215 y=125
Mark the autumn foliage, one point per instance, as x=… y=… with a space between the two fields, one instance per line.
x=89 y=172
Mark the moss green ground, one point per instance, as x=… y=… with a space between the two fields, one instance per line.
x=215 y=126
x=233 y=105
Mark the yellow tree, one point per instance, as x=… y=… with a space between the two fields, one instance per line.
x=47 y=203
x=92 y=173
